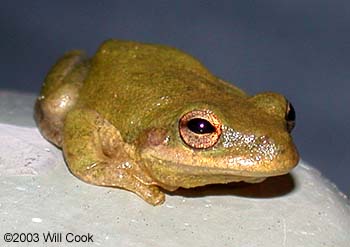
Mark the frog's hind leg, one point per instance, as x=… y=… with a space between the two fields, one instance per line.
x=96 y=153
x=59 y=94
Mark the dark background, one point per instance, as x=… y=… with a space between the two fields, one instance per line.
x=298 y=48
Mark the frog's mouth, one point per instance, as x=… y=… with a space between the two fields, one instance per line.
x=191 y=170
x=174 y=175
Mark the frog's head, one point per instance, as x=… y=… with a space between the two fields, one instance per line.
x=247 y=138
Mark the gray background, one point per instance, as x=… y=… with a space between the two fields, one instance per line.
x=298 y=48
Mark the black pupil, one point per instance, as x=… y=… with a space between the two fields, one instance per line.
x=200 y=126
x=291 y=113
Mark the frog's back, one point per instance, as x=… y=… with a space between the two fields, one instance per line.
x=129 y=82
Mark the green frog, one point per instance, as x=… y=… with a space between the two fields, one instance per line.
x=149 y=118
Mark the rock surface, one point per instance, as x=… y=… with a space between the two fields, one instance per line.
x=39 y=195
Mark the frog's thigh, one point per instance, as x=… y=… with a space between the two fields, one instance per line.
x=59 y=94
x=95 y=153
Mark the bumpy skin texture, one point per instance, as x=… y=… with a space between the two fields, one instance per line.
x=116 y=117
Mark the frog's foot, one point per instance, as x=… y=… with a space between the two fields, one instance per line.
x=107 y=173
x=59 y=94
x=95 y=152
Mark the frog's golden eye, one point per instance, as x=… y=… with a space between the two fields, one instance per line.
x=290 y=116
x=200 y=129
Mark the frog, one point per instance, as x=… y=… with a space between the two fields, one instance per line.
x=150 y=119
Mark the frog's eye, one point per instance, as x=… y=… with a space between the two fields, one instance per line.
x=290 y=116
x=200 y=129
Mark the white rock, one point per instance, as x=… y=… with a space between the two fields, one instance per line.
x=25 y=152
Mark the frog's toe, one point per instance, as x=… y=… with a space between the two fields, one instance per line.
x=153 y=196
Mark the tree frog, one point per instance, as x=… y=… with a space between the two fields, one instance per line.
x=149 y=118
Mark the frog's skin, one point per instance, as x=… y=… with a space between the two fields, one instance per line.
x=130 y=117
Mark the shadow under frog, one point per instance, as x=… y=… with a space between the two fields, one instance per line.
x=146 y=117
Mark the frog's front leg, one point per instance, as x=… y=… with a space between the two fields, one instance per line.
x=95 y=152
